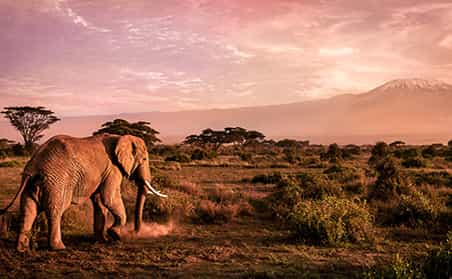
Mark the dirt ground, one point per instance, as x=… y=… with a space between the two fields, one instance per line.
x=247 y=247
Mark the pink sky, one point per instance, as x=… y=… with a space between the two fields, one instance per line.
x=102 y=57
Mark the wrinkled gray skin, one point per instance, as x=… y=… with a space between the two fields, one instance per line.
x=67 y=170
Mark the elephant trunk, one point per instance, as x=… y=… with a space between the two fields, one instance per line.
x=141 y=196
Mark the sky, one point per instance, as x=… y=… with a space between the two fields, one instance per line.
x=90 y=57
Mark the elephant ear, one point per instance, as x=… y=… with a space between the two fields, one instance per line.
x=125 y=149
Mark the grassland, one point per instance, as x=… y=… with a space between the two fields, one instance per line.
x=217 y=225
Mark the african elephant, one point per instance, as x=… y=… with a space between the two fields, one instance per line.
x=67 y=170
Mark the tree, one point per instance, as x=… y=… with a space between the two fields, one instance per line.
x=334 y=153
x=378 y=153
x=139 y=129
x=397 y=143
x=215 y=139
x=31 y=122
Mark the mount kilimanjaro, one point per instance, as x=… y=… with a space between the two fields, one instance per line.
x=413 y=110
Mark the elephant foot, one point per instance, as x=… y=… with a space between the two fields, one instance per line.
x=23 y=242
x=22 y=248
x=114 y=234
x=101 y=238
x=57 y=246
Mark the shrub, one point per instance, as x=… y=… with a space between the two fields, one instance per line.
x=390 y=181
x=19 y=150
x=222 y=194
x=292 y=190
x=290 y=156
x=164 y=181
x=439 y=263
x=10 y=164
x=378 y=153
x=272 y=178
x=158 y=209
x=208 y=212
x=178 y=157
x=201 y=154
x=437 y=179
x=407 y=153
x=3 y=154
x=415 y=209
x=415 y=162
x=399 y=269
x=245 y=156
x=330 y=221
x=352 y=179
x=333 y=154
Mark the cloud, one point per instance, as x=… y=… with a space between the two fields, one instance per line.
x=62 y=7
x=169 y=55
x=446 y=42
x=239 y=53
x=341 y=51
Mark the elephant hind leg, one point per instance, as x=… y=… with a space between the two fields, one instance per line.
x=54 y=219
x=100 y=215
x=28 y=213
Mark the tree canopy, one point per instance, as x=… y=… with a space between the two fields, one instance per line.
x=216 y=138
x=139 y=129
x=30 y=122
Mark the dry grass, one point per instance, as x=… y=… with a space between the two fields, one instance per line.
x=238 y=242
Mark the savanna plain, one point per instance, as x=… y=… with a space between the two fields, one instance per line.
x=286 y=209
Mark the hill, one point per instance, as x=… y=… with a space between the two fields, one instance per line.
x=414 y=110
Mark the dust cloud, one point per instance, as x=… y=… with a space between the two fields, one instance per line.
x=148 y=230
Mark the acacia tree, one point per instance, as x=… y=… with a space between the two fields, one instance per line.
x=31 y=122
x=215 y=139
x=139 y=129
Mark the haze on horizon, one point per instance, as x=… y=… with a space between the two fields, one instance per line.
x=107 y=57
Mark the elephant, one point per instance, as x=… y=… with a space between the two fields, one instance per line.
x=67 y=171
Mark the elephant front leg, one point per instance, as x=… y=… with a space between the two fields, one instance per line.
x=100 y=215
x=28 y=213
x=111 y=198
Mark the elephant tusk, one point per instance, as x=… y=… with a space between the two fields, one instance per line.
x=155 y=192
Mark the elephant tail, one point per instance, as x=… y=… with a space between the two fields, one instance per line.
x=21 y=188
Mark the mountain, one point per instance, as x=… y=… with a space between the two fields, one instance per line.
x=413 y=110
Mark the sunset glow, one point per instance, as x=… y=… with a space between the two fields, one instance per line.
x=103 y=57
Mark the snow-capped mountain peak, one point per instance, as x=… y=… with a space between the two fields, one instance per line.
x=414 y=84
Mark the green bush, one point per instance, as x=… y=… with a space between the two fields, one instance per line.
x=331 y=221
